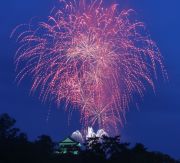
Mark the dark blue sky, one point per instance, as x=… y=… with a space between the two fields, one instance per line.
x=157 y=122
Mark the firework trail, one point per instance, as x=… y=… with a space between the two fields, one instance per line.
x=93 y=57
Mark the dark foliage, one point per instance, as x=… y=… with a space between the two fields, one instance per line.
x=15 y=148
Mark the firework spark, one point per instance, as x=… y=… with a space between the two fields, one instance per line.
x=96 y=58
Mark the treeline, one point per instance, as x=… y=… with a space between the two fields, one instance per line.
x=16 y=148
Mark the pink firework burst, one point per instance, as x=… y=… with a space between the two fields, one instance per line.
x=96 y=58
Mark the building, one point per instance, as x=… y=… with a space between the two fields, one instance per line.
x=69 y=146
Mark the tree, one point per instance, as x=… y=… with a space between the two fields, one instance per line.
x=6 y=127
x=94 y=150
x=15 y=147
x=112 y=145
x=139 y=148
x=44 y=144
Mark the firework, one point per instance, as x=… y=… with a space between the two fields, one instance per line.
x=93 y=57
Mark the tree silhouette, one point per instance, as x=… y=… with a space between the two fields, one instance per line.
x=44 y=144
x=139 y=148
x=16 y=148
x=6 y=127
x=112 y=146
x=94 y=149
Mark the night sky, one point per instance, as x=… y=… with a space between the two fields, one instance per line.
x=157 y=121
